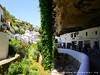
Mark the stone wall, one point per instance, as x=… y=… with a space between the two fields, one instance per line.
x=3 y=45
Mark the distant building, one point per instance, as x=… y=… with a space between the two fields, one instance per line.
x=6 y=26
x=28 y=37
x=3 y=24
x=89 y=38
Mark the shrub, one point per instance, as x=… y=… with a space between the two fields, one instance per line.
x=13 y=46
x=39 y=46
x=33 y=52
x=24 y=67
x=16 y=47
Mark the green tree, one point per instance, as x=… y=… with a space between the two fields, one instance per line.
x=46 y=32
x=24 y=67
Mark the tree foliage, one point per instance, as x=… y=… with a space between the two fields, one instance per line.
x=46 y=32
x=25 y=67
x=16 y=46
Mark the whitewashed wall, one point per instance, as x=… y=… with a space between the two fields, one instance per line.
x=3 y=45
x=82 y=36
x=84 y=68
x=1 y=13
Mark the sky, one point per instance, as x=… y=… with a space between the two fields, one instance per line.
x=26 y=10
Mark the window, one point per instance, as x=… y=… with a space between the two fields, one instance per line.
x=56 y=40
x=86 y=33
x=71 y=35
x=74 y=34
x=96 y=32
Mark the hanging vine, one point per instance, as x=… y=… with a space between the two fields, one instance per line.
x=46 y=31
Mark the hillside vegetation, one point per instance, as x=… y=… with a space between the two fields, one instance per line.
x=17 y=24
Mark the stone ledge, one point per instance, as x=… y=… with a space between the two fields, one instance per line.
x=5 y=61
x=4 y=64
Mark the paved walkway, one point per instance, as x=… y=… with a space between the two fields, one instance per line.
x=40 y=68
x=94 y=64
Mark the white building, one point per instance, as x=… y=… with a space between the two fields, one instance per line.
x=3 y=24
x=3 y=39
x=1 y=14
x=28 y=37
x=85 y=38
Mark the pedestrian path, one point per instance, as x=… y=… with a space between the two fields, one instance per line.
x=40 y=68
x=94 y=64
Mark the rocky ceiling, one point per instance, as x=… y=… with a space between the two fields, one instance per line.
x=75 y=15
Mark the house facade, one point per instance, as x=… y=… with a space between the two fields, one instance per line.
x=89 y=38
x=28 y=37
x=4 y=37
x=3 y=23
x=1 y=13
x=6 y=26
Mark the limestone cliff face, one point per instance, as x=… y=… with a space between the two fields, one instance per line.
x=72 y=15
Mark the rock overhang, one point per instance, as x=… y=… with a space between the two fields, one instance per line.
x=76 y=15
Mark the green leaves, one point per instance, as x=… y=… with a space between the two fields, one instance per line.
x=16 y=46
x=46 y=32
x=25 y=67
